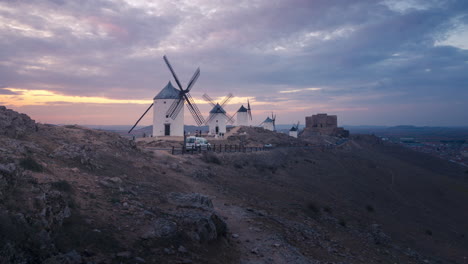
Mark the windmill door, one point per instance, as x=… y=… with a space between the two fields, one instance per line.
x=167 y=129
x=217 y=129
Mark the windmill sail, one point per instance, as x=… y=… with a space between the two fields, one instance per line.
x=185 y=96
x=226 y=99
x=193 y=80
x=249 y=110
x=173 y=73
x=218 y=108
x=208 y=99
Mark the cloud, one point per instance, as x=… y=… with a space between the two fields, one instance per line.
x=362 y=54
x=5 y=91
x=301 y=90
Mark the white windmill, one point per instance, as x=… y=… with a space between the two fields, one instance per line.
x=169 y=104
x=294 y=130
x=269 y=123
x=244 y=115
x=218 y=117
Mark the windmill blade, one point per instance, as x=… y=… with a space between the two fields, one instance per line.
x=177 y=109
x=194 y=109
x=210 y=118
x=173 y=106
x=173 y=73
x=229 y=118
x=208 y=99
x=193 y=80
x=195 y=116
x=249 y=111
x=226 y=99
x=140 y=118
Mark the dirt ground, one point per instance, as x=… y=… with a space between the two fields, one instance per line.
x=87 y=196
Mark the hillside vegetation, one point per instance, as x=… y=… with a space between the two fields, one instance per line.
x=74 y=195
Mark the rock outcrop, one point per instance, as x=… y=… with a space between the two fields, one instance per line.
x=14 y=124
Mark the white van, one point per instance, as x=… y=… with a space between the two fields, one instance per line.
x=197 y=143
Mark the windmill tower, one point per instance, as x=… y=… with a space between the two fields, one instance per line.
x=269 y=123
x=244 y=115
x=163 y=124
x=294 y=130
x=168 y=112
x=218 y=117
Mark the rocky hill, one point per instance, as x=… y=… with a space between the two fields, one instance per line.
x=74 y=195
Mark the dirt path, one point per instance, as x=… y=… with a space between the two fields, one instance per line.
x=258 y=242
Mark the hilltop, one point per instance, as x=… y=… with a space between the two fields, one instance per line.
x=70 y=194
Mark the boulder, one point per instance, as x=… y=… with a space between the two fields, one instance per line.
x=202 y=226
x=160 y=228
x=196 y=217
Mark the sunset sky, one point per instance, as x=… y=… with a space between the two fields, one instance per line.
x=371 y=62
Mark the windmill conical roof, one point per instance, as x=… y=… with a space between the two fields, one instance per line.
x=168 y=92
x=217 y=109
x=242 y=109
x=268 y=120
x=293 y=129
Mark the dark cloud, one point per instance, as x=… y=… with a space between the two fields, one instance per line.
x=363 y=54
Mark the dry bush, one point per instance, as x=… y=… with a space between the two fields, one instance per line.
x=63 y=186
x=30 y=164
x=210 y=157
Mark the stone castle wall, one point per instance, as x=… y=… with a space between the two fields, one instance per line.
x=323 y=124
x=322 y=121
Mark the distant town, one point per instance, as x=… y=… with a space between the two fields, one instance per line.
x=449 y=143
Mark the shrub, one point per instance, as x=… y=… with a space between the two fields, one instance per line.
x=313 y=207
x=342 y=222
x=369 y=208
x=428 y=232
x=62 y=186
x=327 y=209
x=30 y=164
x=210 y=157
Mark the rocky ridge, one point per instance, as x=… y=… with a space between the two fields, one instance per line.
x=74 y=195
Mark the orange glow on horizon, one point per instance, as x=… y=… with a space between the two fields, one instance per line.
x=24 y=97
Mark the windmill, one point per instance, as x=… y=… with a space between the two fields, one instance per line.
x=243 y=115
x=169 y=103
x=294 y=130
x=218 y=116
x=269 y=123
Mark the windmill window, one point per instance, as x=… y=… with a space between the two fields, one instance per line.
x=164 y=101
x=167 y=116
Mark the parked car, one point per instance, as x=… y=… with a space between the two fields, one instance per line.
x=197 y=143
x=268 y=145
